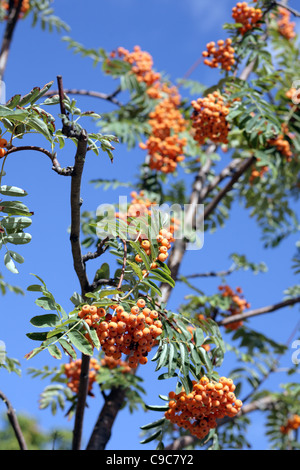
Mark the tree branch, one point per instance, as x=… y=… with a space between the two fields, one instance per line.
x=80 y=270
x=14 y=422
x=94 y=94
x=101 y=248
x=100 y=282
x=56 y=166
x=287 y=7
x=226 y=172
x=259 y=311
x=79 y=266
x=102 y=429
x=75 y=212
x=239 y=172
x=211 y=274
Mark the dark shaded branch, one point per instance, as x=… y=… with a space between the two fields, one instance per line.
x=14 y=422
x=80 y=270
x=75 y=212
x=81 y=402
x=102 y=282
x=61 y=94
x=101 y=248
x=259 y=311
x=79 y=266
x=239 y=172
x=102 y=430
x=56 y=166
x=225 y=173
x=11 y=23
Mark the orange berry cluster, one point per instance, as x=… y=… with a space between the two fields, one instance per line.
x=220 y=54
x=209 y=119
x=237 y=306
x=199 y=410
x=191 y=329
x=24 y=8
x=111 y=363
x=164 y=239
x=3 y=144
x=91 y=315
x=293 y=423
x=165 y=147
x=282 y=145
x=131 y=333
x=73 y=369
x=294 y=95
x=285 y=27
x=258 y=172
x=141 y=63
x=201 y=317
x=141 y=206
x=248 y=16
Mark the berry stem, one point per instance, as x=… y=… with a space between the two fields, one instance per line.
x=124 y=265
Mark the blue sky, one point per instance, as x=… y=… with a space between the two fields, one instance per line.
x=175 y=33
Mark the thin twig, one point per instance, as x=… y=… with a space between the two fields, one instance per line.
x=100 y=282
x=12 y=417
x=101 y=248
x=94 y=94
x=56 y=166
x=123 y=266
x=61 y=94
x=211 y=274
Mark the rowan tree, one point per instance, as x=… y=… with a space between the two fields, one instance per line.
x=236 y=140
